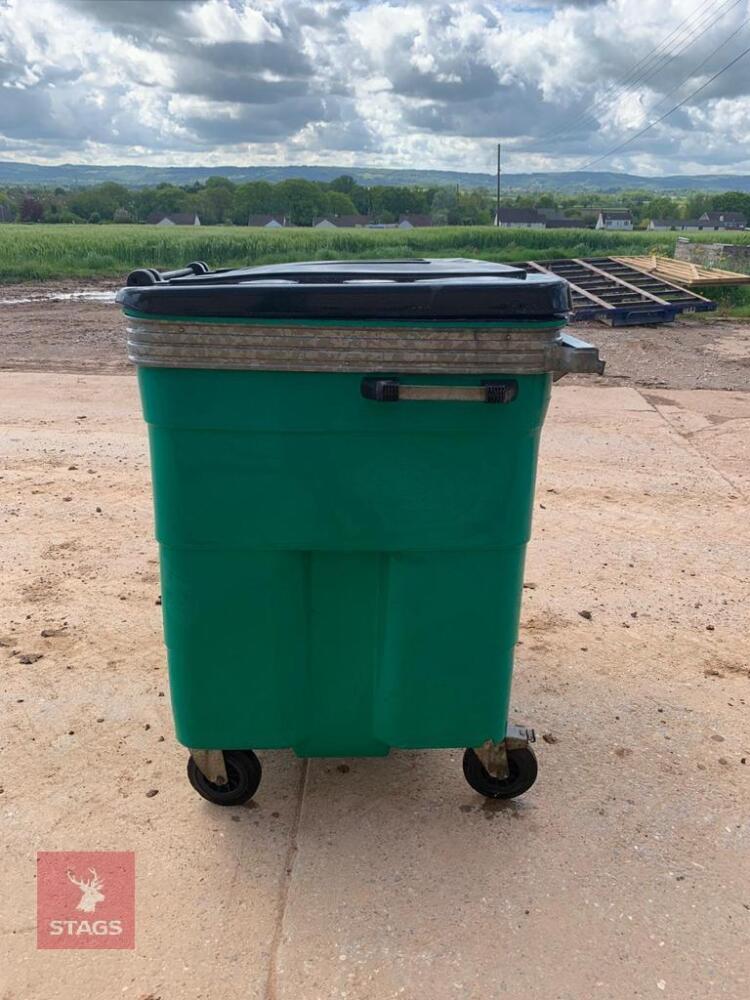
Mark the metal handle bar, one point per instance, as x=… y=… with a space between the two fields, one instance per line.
x=390 y=390
x=150 y=276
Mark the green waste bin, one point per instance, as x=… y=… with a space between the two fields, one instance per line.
x=343 y=459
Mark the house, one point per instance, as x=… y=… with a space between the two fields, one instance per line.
x=723 y=220
x=554 y=219
x=414 y=221
x=6 y=213
x=519 y=218
x=560 y=222
x=708 y=222
x=537 y=218
x=678 y=224
x=550 y=214
x=617 y=219
x=341 y=222
x=173 y=219
x=267 y=221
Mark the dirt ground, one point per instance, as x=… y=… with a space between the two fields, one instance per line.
x=43 y=330
x=623 y=873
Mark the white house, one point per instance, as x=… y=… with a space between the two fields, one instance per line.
x=520 y=218
x=618 y=219
x=414 y=221
x=267 y=221
x=174 y=219
x=723 y=220
x=708 y=222
x=342 y=222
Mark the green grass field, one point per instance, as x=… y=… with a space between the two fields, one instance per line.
x=38 y=252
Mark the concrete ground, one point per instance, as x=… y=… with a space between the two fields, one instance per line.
x=623 y=873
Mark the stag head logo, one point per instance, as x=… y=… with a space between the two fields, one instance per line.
x=90 y=891
x=85 y=919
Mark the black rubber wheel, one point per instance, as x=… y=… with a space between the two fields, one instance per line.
x=243 y=774
x=522 y=774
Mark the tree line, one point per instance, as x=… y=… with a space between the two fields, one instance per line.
x=220 y=201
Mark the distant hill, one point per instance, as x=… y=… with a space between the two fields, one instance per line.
x=81 y=175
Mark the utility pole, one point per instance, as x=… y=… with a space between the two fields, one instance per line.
x=497 y=203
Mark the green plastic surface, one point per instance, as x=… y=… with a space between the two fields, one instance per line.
x=339 y=575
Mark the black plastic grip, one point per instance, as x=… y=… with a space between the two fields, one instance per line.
x=381 y=390
x=150 y=276
x=501 y=392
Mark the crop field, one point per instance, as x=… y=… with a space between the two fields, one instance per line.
x=39 y=252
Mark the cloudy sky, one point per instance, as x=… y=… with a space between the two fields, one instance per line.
x=397 y=83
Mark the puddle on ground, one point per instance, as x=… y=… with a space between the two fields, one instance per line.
x=82 y=296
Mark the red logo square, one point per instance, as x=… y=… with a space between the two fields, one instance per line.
x=85 y=899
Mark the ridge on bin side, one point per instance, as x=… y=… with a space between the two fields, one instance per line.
x=428 y=349
x=427 y=316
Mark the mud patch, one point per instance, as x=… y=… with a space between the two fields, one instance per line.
x=544 y=622
x=735 y=348
x=655 y=400
x=40 y=590
x=61 y=550
x=693 y=353
x=719 y=666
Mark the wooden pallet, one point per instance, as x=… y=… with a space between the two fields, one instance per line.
x=685 y=273
x=606 y=289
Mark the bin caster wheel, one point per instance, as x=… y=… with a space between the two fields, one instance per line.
x=522 y=774
x=243 y=774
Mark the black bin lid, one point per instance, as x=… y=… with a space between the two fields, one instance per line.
x=418 y=289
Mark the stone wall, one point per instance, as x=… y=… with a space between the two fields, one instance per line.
x=730 y=256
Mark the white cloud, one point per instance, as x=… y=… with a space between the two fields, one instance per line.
x=397 y=83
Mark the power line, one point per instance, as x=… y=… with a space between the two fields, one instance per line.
x=695 y=70
x=642 y=71
x=616 y=87
x=658 y=121
x=699 y=29
x=695 y=36
x=635 y=69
